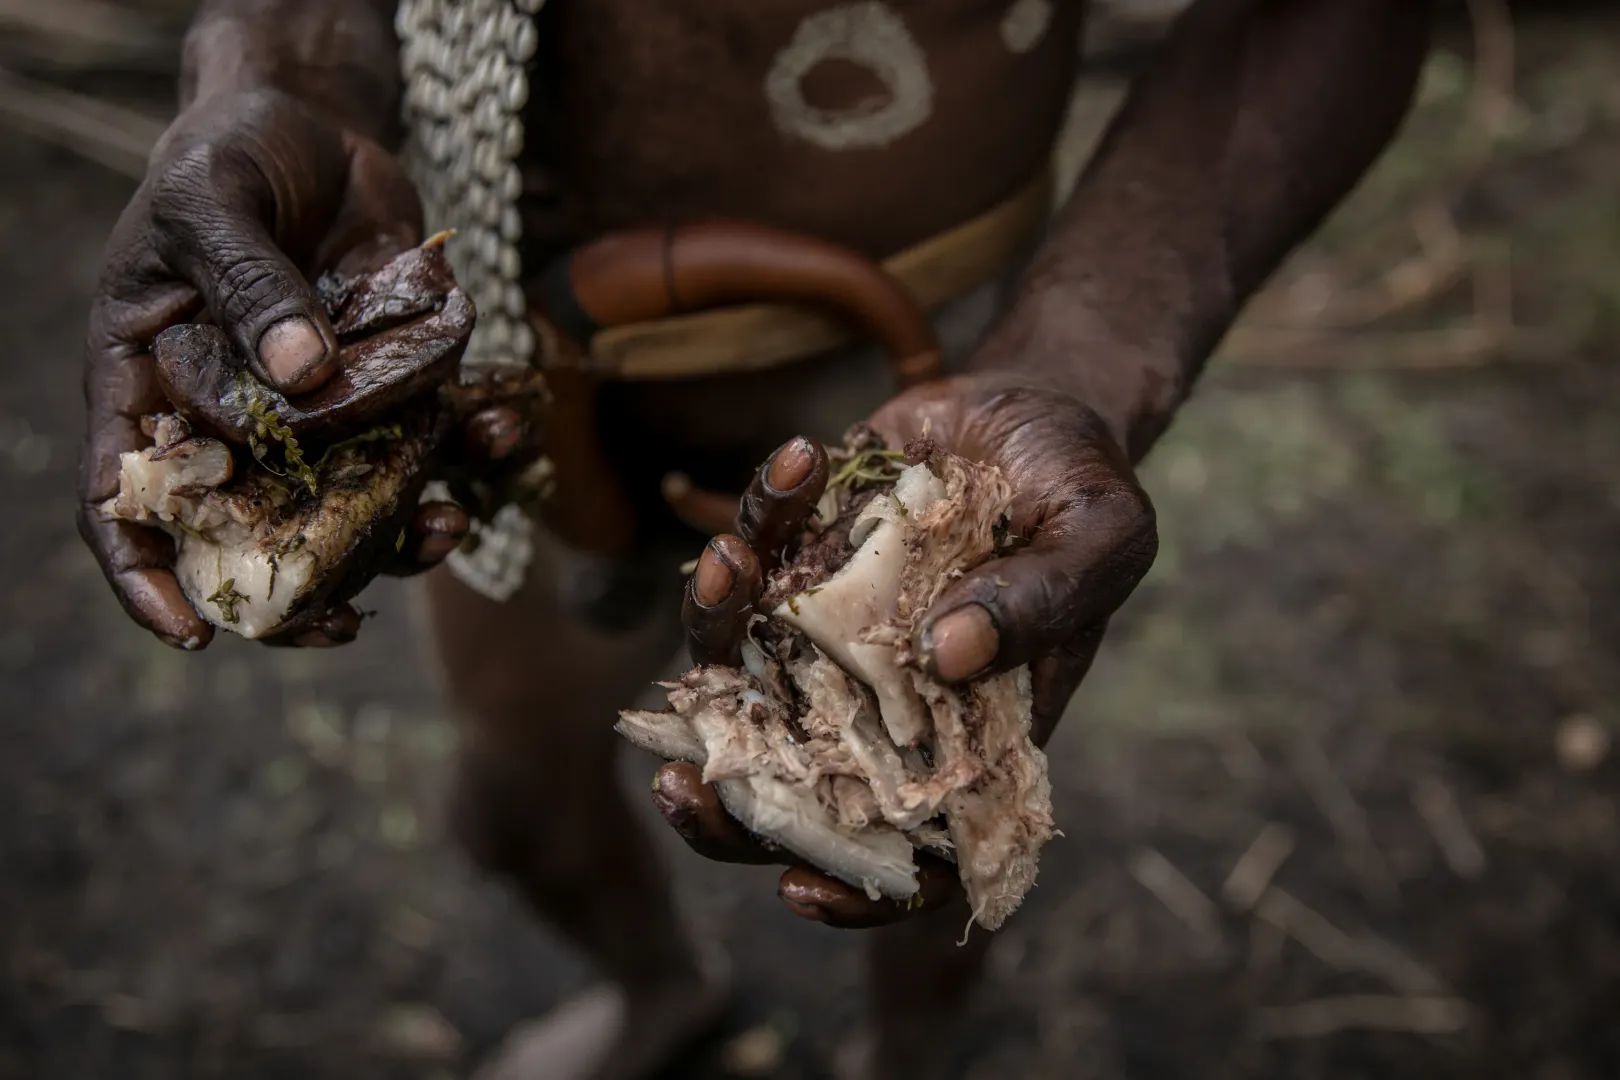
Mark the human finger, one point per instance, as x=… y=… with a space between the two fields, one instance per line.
x=719 y=601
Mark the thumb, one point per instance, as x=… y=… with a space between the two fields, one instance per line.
x=1081 y=565
x=214 y=207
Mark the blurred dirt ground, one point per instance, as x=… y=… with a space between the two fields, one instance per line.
x=1337 y=801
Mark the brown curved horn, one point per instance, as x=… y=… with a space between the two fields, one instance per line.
x=645 y=274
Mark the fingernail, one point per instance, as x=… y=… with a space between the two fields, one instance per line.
x=289 y=348
x=675 y=812
x=962 y=643
x=800 y=894
x=813 y=912
x=340 y=625
x=791 y=465
x=442 y=517
x=497 y=432
x=436 y=547
x=712 y=580
x=808 y=899
x=667 y=807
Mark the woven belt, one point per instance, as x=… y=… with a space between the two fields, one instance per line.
x=756 y=336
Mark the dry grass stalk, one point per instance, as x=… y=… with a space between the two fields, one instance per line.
x=1364 y=1012
x=1251 y=875
x=1185 y=900
x=85 y=23
x=1437 y=805
x=1366 y=953
x=108 y=134
x=1345 y=815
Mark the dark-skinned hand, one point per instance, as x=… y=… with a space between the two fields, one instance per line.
x=247 y=198
x=1086 y=537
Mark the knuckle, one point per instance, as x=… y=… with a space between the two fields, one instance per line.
x=128 y=261
x=203 y=212
x=209 y=210
x=1120 y=506
x=218 y=155
x=101 y=537
x=1138 y=553
x=186 y=192
x=1123 y=513
x=263 y=108
x=1140 y=522
x=250 y=286
x=88 y=521
x=1136 y=527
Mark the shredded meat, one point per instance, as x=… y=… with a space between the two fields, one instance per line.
x=811 y=751
x=820 y=556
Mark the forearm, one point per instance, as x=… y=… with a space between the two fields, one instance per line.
x=338 y=56
x=1257 y=119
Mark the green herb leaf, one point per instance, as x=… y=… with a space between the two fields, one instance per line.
x=226 y=598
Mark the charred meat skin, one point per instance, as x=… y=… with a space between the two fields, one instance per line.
x=401 y=332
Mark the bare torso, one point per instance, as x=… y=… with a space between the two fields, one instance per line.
x=761 y=109
x=871 y=124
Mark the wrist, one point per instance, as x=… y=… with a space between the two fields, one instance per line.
x=1133 y=384
x=346 y=71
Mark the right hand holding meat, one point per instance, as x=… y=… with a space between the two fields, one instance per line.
x=246 y=199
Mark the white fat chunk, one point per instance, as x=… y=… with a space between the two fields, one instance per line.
x=865 y=592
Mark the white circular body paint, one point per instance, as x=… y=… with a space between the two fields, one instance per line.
x=873 y=37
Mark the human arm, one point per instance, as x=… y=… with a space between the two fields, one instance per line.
x=274 y=168
x=1254 y=122
x=1258 y=117
x=340 y=57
